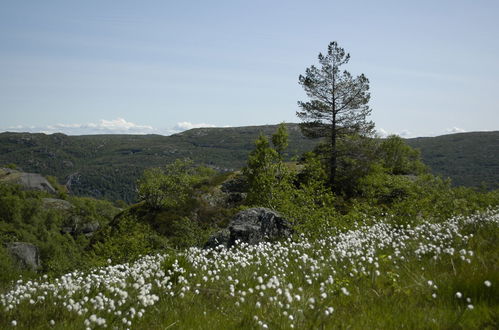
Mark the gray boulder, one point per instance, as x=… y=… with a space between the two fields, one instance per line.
x=30 y=181
x=75 y=225
x=90 y=227
x=252 y=226
x=28 y=255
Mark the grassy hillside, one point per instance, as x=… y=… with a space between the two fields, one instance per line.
x=418 y=276
x=469 y=159
x=107 y=166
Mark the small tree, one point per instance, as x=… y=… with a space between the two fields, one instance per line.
x=166 y=187
x=280 y=142
x=399 y=158
x=338 y=103
x=261 y=173
x=265 y=172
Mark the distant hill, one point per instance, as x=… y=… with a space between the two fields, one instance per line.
x=107 y=166
x=469 y=159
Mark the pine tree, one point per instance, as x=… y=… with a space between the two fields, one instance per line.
x=338 y=104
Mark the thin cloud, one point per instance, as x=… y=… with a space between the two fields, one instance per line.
x=454 y=130
x=185 y=125
x=381 y=133
x=114 y=126
x=384 y=133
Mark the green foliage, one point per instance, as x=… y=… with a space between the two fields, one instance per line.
x=261 y=173
x=301 y=197
x=280 y=140
x=62 y=253
x=399 y=158
x=468 y=159
x=357 y=154
x=375 y=177
x=108 y=166
x=62 y=190
x=185 y=233
x=338 y=106
x=26 y=216
x=125 y=241
x=167 y=187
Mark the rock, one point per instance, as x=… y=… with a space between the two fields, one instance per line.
x=74 y=225
x=252 y=226
x=219 y=238
x=90 y=227
x=215 y=198
x=231 y=193
x=30 y=181
x=58 y=204
x=238 y=184
x=28 y=255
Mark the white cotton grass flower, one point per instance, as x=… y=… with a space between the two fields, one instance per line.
x=329 y=311
x=132 y=288
x=13 y=323
x=470 y=307
x=345 y=291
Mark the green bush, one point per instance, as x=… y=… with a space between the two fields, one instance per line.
x=123 y=242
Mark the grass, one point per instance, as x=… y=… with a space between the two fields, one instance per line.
x=376 y=277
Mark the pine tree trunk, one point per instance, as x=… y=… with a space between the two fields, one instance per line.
x=332 y=170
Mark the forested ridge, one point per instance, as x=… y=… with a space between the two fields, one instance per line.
x=107 y=166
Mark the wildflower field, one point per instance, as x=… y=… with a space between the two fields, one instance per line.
x=378 y=275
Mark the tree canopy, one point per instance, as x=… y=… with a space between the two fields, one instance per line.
x=338 y=104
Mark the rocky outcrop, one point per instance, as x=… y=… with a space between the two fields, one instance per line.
x=237 y=184
x=75 y=225
x=252 y=226
x=30 y=181
x=27 y=255
x=231 y=193
x=221 y=237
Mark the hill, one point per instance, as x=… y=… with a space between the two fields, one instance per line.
x=107 y=166
x=469 y=159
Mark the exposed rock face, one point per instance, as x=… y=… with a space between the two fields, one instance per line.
x=30 y=181
x=252 y=226
x=26 y=254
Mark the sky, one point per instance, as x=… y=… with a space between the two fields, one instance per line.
x=160 y=67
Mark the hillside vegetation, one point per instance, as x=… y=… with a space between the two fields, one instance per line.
x=468 y=159
x=108 y=166
x=427 y=275
x=393 y=246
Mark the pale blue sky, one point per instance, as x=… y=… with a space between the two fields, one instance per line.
x=160 y=66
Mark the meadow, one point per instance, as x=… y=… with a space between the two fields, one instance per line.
x=379 y=274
